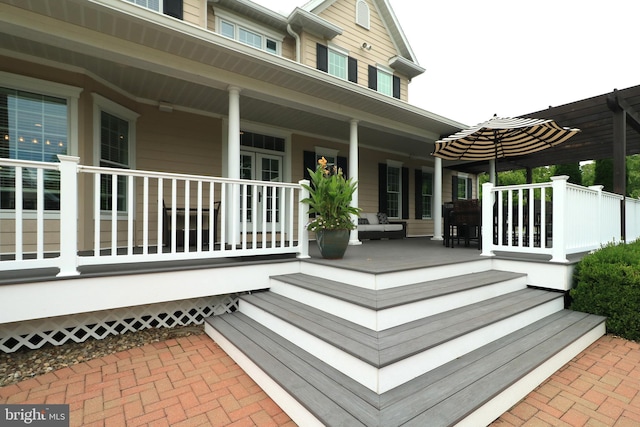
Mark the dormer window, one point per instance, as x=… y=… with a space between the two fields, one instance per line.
x=248 y=33
x=362 y=14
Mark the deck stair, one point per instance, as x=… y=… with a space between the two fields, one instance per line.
x=453 y=351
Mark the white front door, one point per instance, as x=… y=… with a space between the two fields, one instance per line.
x=262 y=167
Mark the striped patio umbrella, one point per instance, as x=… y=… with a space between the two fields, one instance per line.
x=502 y=137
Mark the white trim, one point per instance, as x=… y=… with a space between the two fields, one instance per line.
x=328 y=152
x=395 y=163
x=339 y=49
x=58 y=90
x=271 y=131
x=238 y=21
x=100 y=104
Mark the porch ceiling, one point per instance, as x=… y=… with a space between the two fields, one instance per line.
x=154 y=58
x=595 y=141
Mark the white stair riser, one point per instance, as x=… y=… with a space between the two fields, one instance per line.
x=354 y=313
x=344 y=362
x=402 y=314
x=369 y=280
x=509 y=397
x=289 y=404
x=402 y=371
x=391 y=376
x=379 y=320
x=410 y=276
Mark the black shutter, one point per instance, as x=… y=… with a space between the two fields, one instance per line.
x=352 y=69
x=418 y=193
x=469 y=188
x=405 y=193
x=454 y=188
x=373 y=77
x=322 y=57
x=396 y=87
x=343 y=164
x=173 y=8
x=308 y=161
x=382 y=187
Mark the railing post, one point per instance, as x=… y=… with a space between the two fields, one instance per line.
x=559 y=229
x=303 y=220
x=487 y=219
x=598 y=220
x=68 y=215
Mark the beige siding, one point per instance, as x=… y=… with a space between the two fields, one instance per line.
x=193 y=12
x=368 y=177
x=342 y=13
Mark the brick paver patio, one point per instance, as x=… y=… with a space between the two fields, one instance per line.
x=190 y=381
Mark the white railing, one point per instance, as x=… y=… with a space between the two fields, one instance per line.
x=632 y=219
x=563 y=218
x=156 y=217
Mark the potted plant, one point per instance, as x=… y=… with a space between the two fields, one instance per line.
x=329 y=199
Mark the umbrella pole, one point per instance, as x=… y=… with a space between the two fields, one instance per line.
x=492 y=171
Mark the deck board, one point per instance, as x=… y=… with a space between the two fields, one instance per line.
x=304 y=377
x=442 y=396
x=396 y=296
x=392 y=345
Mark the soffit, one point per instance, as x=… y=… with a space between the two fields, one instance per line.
x=222 y=63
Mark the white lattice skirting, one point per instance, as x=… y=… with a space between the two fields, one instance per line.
x=100 y=324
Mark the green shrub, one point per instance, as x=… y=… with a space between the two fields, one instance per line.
x=607 y=283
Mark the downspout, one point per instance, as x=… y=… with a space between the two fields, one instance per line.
x=297 y=37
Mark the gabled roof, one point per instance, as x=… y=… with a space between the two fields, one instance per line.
x=388 y=17
x=307 y=16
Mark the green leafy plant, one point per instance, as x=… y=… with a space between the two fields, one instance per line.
x=607 y=283
x=329 y=199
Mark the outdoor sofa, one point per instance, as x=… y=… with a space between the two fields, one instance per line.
x=377 y=226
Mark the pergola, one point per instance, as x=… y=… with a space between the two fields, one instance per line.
x=610 y=128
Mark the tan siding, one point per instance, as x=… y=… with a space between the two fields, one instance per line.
x=289 y=48
x=178 y=142
x=192 y=12
x=211 y=20
x=368 y=177
x=342 y=13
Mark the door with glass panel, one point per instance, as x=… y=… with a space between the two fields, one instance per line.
x=261 y=167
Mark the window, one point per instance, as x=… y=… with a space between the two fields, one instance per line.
x=32 y=127
x=148 y=4
x=362 y=14
x=427 y=194
x=250 y=38
x=461 y=187
x=382 y=80
x=167 y=7
x=114 y=153
x=385 y=83
x=337 y=64
x=393 y=191
x=115 y=135
x=236 y=29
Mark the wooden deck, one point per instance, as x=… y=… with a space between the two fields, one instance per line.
x=441 y=351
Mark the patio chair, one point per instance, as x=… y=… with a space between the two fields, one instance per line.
x=465 y=220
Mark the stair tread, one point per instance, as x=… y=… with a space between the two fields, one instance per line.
x=330 y=395
x=382 y=348
x=439 y=397
x=396 y=296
